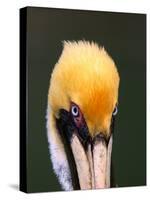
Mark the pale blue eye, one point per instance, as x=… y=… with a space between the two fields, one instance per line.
x=74 y=111
x=115 y=111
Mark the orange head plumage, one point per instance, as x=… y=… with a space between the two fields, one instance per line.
x=86 y=75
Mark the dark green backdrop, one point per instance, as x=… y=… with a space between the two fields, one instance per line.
x=124 y=37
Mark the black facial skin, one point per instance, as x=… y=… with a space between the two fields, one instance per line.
x=65 y=129
x=67 y=123
x=66 y=126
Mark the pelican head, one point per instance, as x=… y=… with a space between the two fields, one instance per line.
x=82 y=104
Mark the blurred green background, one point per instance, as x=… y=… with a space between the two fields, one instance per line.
x=124 y=37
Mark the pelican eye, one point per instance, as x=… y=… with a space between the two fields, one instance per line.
x=115 y=111
x=75 y=111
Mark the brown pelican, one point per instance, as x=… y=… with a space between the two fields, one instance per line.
x=82 y=104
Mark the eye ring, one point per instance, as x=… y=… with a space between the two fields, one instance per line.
x=74 y=111
x=115 y=111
